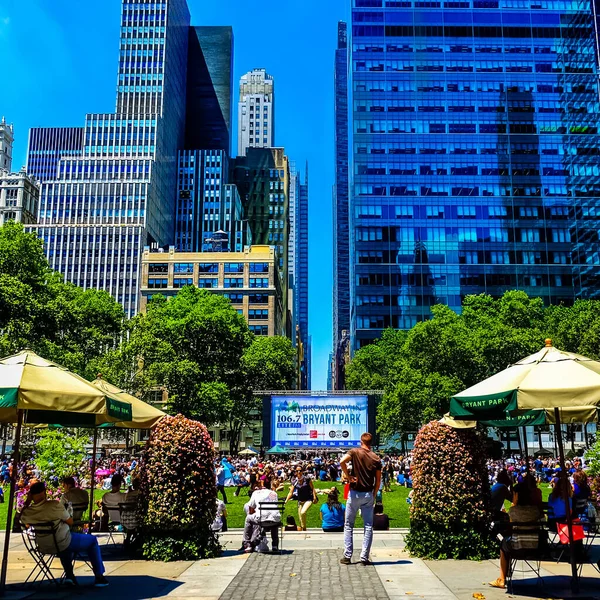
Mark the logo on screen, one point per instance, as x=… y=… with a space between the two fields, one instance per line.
x=313 y=434
x=332 y=434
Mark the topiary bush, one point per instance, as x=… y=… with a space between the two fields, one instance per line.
x=451 y=496
x=178 y=492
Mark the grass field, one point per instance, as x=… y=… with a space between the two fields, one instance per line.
x=394 y=503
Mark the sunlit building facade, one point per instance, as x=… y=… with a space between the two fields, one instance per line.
x=102 y=202
x=474 y=155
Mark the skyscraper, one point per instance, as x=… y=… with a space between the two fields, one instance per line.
x=256 y=111
x=263 y=180
x=99 y=209
x=209 y=89
x=207 y=204
x=301 y=278
x=341 y=231
x=474 y=152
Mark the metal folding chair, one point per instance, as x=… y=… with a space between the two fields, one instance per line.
x=114 y=521
x=531 y=558
x=267 y=525
x=128 y=520
x=42 y=571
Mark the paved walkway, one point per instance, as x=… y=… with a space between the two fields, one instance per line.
x=309 y=569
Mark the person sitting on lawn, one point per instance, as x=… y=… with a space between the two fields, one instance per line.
x=333 y=512
x=381 y=521
x=38 y=509
x=524 y=511
x=256 y=518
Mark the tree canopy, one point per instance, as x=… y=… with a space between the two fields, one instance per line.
x=420 y=369
x=38 y=310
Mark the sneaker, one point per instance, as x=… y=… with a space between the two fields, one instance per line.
x=249 y=550
x=365 y=562
x=70 y=581
x=345 y=560
x=275 y=550
x=101 y=581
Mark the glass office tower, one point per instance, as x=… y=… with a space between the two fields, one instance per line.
x=101 y=205
x=341 y=232
x=474 y=155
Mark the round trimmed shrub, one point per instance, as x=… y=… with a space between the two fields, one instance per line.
x=449 y=515
x=178 y=492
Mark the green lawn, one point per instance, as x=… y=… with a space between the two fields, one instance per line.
x=394 y=503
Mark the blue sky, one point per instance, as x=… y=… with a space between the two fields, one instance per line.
x=60 y=57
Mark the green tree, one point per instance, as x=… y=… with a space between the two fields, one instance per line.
x=373 y=364
x=192 y=344
x=270 y=363
x=38 y=310
x=58 y=454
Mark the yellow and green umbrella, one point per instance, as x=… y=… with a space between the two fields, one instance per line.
x=551 y=384
x=35 y=390
x=143 y=415
x=46 y=392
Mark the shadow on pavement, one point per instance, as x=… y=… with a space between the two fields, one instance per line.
x=377 y=562
x=556 y=586
x=130 y=587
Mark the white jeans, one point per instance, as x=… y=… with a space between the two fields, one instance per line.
x=362 y=501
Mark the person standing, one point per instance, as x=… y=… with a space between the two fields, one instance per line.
x=220 y=473
x=364 y=484
x=303 y=490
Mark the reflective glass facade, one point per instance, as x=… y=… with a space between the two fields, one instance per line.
x=474 y=155
x=207 y=204
x=100 y=204
x=341 y=232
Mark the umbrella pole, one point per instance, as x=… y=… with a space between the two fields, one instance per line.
x=11 y=500
x=93 y=479
x=564 y=482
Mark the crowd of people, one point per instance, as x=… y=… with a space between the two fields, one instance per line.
x=516 y=481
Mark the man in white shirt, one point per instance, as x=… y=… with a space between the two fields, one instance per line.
x=269 y=519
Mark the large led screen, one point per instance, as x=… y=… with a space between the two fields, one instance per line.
x=318 y=420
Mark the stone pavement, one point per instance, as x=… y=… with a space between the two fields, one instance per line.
x=309 y=569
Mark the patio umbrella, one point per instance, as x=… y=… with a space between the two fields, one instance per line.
x=33 y=389
x=561 y=385
x=248 y=452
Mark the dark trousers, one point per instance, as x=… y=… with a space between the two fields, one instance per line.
x=221 y=488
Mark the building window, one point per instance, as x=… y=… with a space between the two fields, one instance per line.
x=259 y=282
x=179 y=283
x=233 y=282
x=258 y=314
x=154 y=284
x=234 y=267
x=259 y=267
x=158 y=268
x=258 y=298
x=259 y=329
x=208 y=283
x=183 y=268
x=235 y=298
x=208 y=268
